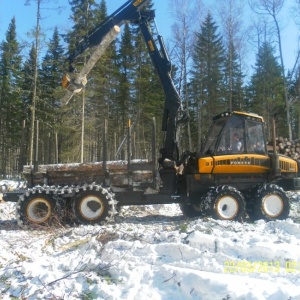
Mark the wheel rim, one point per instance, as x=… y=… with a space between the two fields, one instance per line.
x=227 y=208
x=272 y=205
x=91 y=207
x=38 y=210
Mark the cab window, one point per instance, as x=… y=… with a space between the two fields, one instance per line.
x=255 y=138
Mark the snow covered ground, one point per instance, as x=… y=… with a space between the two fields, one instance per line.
x=152 y=253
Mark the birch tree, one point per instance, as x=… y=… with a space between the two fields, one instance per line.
x=37 y=31
x=231 y=15
x=185 y=16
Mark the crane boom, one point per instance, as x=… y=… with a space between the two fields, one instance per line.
x=74 y=82
x=98 y=40
x=162 y=64
x=127 y=12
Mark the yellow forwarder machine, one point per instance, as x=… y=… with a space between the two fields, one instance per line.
x=233 y=174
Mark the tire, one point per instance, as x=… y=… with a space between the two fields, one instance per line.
x=190 y=210
x=270 y=203
x=93 y=206
x=224 y=203
x=35 y=208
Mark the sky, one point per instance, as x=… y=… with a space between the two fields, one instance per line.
x=26 y=18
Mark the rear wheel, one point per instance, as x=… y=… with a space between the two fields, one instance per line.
x=93 y=206
x=270 y=203
x=37 y=208
x=224 y=203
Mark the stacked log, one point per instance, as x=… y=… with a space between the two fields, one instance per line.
x=120 y=174
x=286 y=147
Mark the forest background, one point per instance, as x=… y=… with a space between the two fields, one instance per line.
x=226 y=54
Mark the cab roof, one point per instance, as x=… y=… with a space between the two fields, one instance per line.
x=248 y=115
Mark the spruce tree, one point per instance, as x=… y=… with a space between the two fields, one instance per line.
x=101 y=95
x=148 y=94
x=208 y=75
x=85 y=15
x=126 y=69
x=51 y=72
x=266 y=90
x=123 y=107
x=294 y=92
x=27 y=84
x=11 y=107
x=103 y=102
x=234 y=90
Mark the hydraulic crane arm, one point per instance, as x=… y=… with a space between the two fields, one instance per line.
x=97 y=40
x=162 y=64
x=127 y=12
x=105 y=32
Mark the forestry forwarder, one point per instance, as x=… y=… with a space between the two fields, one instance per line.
x=233 y=174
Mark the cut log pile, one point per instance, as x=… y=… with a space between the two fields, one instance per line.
x=286 y=147
x=120 y=174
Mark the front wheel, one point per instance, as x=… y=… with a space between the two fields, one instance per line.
x=270 y=203
x=224 y=203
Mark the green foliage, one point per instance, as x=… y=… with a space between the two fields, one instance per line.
x=88 y=296
x=233 y=80
x=207 y=88
x=266 y=90
x=48 y=112
x=183 y=227
x=124 y=85
x=90 y=105
x=11 y=106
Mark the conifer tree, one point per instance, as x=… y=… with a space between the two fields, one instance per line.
x=126 y=56
x=106 y=86
x=208 y=75
x=50 y=80
x=294 y=92
x=148 y=95
x=11 y=108
x=123 y=107
x=85 y=15
x=101 y=96
x=27 y=83
x=232 y=19
x=266 y=90
x=234 y=90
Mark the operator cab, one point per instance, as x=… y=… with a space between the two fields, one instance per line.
x=235 y=133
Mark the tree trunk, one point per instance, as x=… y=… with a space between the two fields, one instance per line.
x=33 y=106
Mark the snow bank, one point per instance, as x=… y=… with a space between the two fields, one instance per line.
x=151 y=253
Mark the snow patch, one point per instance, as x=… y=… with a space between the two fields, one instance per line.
x=151 y=252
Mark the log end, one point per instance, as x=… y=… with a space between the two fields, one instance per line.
x=117 y=29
